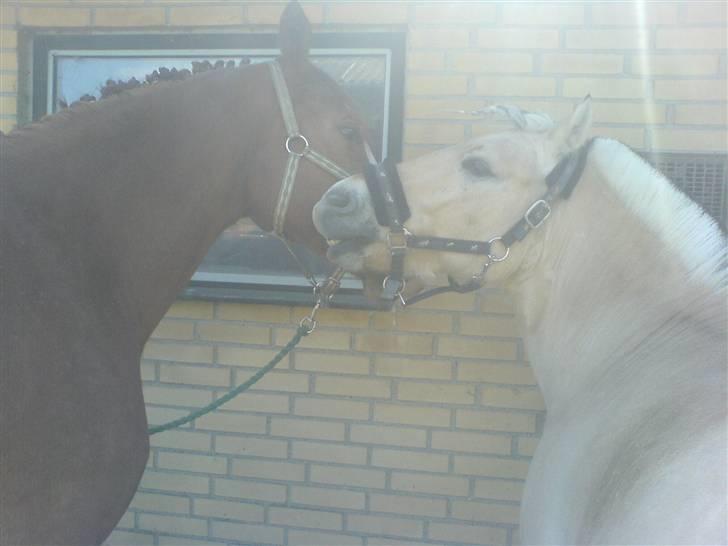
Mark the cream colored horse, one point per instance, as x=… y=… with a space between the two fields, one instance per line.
x=622 y=293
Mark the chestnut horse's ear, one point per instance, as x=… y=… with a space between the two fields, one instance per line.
x=294 y=32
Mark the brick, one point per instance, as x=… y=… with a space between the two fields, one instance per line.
x=518 y=38
x=129 y=17
x=250 y=358
x=438 y=393
x=376 y=541
x=233 y=332
x=425 y=60
x=269 y=470
x=606 y=88
x=54 y=16
x=259 y=403
x=340 y=318
x=7 y=125
x=127 y=521
x=393 y=436
x=393 y=343
x=254 y=313
x=313 y=519
x=307 y=428
x=8 y=38
x=480 y=62
x=359 y=387
x=332 y=363
x=498 y=326
x=408 y=505
x=126 y=538
x=409 y=460
x=220 y=509
x=507 y=490
x=452 y=486
x=7 y=15
x=249 y=490
x=632 y=137
x=354 y=477
x=432 y=109
x=251 y=447
x=701 y=114
x=149 y=371
x=468 y=534
x=491 y=467
x=412 y=368
x=388 y=13
x=270 y=13
x=206 y=15
x=250 y=534
x=178 y=352
x=513 y=86
x=174 y=329
x=437 y=85
x=692 y=90
x=434 y=133
x=324 y=339
x=690 y=140
x=471 y=442
x=582 y=63
x=439 y=38
x=277 y=381
x=692 y=38
x=176 y=541
x=633 y=14
x=639 y=112
x=312 y=538
x=173 y=524
x=390 y=526
x=509 y=374
x=175 y=481
x=157 y=416
x=411 y=415
x=527 y=446
x=455 y=12
x=192 y=463
x=154 y=502
x=496 y=421
x=182 y=439
x=704 y=12
x=605 y=39
x=496 y=301
x=194 y=375
x=678 y=65
x=321 y=452
x=8 y=106
x=328 y=498
x=230 y=422
x=176 y=396
x=191 y=309
x=476 y=348
x=485 y=512
x=538 y=13
x=513 y=397
x=338 y=409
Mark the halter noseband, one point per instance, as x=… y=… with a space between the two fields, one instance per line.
x=391 y=209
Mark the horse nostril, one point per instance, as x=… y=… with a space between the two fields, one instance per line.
x=339 y=198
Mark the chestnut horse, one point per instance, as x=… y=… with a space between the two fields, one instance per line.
x=106 y=209
x=621 y=284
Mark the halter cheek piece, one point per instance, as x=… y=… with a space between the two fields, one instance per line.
x=390 y=206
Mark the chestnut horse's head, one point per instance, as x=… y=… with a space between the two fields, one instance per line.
x=328 y=125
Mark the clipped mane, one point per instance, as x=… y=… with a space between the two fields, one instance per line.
x=691 y=234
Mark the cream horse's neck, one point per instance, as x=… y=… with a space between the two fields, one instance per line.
x=628 y=272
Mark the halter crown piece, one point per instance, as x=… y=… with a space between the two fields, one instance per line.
x=390 y=206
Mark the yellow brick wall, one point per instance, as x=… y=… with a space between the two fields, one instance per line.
x=417 y=427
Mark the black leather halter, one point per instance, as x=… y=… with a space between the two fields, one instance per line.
x=392 y=211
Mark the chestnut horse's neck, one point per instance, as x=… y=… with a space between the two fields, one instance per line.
x=160 y=173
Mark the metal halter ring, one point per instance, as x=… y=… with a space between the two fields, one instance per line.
x=497 y=258
x=388 y=279
x=291 y=148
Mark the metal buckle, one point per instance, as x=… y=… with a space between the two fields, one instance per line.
x=290 y=146
x=537 y=213
x=397 y=240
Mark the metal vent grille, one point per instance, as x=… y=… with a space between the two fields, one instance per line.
x=703 y=177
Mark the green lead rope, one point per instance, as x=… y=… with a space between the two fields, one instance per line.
x=302 y=331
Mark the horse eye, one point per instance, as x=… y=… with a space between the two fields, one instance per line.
x=477 y=166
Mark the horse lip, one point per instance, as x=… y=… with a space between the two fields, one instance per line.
x=347 y=246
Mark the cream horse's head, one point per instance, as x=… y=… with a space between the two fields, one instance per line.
x=473 y=191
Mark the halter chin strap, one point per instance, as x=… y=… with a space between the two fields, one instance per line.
x=297 y=147
x=560 y=183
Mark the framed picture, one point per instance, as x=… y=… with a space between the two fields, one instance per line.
x=245 y=263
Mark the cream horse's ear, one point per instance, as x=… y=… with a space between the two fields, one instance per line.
x=571 y=135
